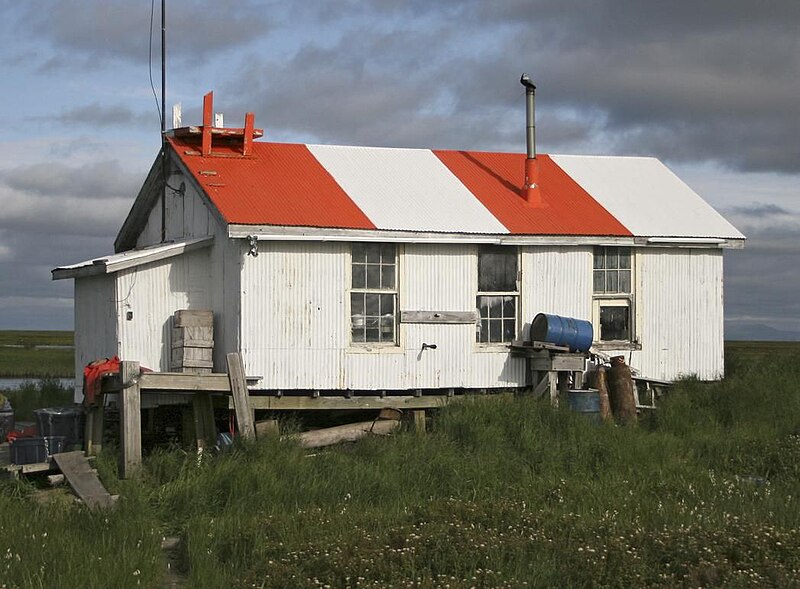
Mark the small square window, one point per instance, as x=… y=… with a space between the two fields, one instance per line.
x=614 y=323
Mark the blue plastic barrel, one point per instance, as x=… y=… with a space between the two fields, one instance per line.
x=585 y=402
x=576 y=334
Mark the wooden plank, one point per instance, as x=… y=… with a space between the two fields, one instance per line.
x=568 y=362
x=177 y=381
x=439 y=316
x=94 y=428
x=244 y=414
x=204 y=427
x=267 y=427
x=130 y=416
x=83 y=480
x=193 y=318
x=298 y=403
x=419 y=420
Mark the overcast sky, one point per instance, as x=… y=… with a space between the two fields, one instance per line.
x=711 y=87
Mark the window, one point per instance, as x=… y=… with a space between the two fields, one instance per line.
x=497 y=294
x=373 y=294
x=613 y=294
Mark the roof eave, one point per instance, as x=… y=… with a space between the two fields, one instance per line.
x=130 y=259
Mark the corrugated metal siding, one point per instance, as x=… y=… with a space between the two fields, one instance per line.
x=646 y=196
x=295 y=324
x=95 y=324
x=406 y=189
x=153 y=292
x=680 y=314
x=556 y=280
x=296 y=331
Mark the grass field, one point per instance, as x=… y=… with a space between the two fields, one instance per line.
x=21 y=358
x=502 y=492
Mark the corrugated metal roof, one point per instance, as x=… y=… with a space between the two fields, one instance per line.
x=646 y=196
x=420 y=190
x=406 y=189
x=281 y=184
x=496 y=180
x=131 y=258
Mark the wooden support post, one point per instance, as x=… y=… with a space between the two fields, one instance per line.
x=552 y=385
x=130 y=417
x=241 y=396
x=205 y=431
x=94 y=428
x=419 y=420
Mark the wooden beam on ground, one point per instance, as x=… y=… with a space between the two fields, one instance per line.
x=346 y=433
x=83 y=480
x=244 y=415
x=297 y=403
x=130 y=417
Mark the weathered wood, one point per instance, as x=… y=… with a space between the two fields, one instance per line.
x=94 y=427
x=193 y=318
x=205 y=430
x=345 y=433
x=556 y=361
x=267 y=427
x=439 y=316
x=298 y=403
x=83 y=480
x=130 y=420
x=55 y=480
x=177 y=381
x=241 y=404
x=419 y=420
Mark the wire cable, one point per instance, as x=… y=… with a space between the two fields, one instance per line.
x=150 y=63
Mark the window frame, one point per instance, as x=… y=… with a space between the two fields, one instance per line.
x=515 y=294
x=625 y=299
x=379 y=291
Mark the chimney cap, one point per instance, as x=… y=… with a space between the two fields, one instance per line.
x=526 y=81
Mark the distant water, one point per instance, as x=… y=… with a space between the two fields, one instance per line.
x=15 y=383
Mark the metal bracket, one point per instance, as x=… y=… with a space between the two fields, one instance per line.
x=253 y=251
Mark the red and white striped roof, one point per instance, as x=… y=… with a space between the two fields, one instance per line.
x=421 y=190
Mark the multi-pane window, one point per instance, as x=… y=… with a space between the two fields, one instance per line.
x=497 y=294
x=613 y=294
x=373 y=293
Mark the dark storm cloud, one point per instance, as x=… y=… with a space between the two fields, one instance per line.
x=710 y=81
x=102 y=179
x=94 y=30
x=760 y=210
x=103 y=115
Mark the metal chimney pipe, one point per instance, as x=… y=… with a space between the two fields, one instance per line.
x=530 y=189
x=530 y=116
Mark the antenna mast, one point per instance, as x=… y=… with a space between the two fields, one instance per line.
x=164 y=119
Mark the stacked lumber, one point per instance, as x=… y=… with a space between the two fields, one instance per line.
x=192 y=341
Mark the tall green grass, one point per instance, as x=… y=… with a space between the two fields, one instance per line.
x=501 y=492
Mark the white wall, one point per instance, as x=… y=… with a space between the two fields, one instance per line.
x=152 y=293
x=295 y=315
x=680 y=313
x=95 y=324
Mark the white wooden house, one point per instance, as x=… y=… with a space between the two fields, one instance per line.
x=330 y=268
